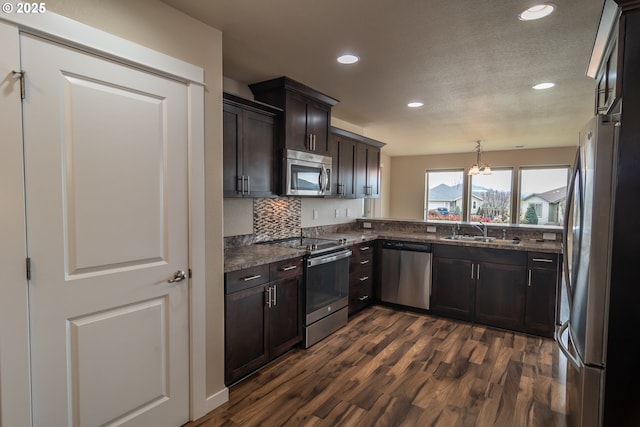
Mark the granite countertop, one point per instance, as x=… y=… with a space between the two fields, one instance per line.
x=524 y=245
x=248 y=256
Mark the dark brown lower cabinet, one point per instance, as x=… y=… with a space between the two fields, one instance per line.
x=361 y=276
x=453 y=288
x=509 y=289
x=543 y=277
x=500 y=294
x=246 y=345
x=263 y=317
x=283 y=318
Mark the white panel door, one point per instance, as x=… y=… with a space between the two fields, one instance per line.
x=107 y=227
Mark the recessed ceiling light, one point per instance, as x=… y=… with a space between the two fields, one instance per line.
x=541 y=86
x=348 y=59
x=415 y=104
x=536 y=12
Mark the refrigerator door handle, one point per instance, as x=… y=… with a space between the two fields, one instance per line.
x=565 y=234
x=570 y=357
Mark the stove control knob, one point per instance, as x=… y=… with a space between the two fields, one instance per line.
x=314 y=246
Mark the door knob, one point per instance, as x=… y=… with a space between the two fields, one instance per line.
x=178 y=276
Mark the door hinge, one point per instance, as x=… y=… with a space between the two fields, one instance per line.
x=20 y=74
x=28 y=268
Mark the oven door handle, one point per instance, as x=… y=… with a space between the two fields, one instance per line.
x=328 y=258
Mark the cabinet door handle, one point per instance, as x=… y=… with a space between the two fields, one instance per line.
x=291 y=267
x=529 y=279
x=240 y=184
x=269 y=296
x=478 y=275
x=542 y=260
x=366 y=261
x=364 y=248
x=248 y=185
x=472 y=267
x=274 y=293
x=364 y=278
x=364 y=297
x=257 y=276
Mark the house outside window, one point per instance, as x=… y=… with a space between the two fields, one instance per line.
x=543 y=191
x=490 y=198
x=444 y=198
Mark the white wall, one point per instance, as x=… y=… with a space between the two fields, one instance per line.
x=408 y=172
x=317 y=212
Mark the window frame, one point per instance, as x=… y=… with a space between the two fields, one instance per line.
x=519 y=200
x=511 y=194
x=425 y=211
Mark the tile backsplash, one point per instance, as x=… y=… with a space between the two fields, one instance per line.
x=276 y=218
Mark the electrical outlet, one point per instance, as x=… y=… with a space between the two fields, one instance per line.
x=366 y=225
x=315 y=214
x=337 y=213
x=348 y=212
x=431 y=229
x=549 y=236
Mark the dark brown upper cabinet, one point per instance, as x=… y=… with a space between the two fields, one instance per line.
x=249 y=138
x=307 y=113
x=342 y=150
x=356 y=165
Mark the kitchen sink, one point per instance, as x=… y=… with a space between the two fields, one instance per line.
x=470 y=238
x=480 y=239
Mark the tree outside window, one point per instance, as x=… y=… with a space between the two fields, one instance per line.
x=491 y=197
x=543 y=190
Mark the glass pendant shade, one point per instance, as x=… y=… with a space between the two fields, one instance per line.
x=479 y=167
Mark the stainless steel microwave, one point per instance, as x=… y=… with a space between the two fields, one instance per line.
x=307 y=174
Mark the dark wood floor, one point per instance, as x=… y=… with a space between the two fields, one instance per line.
x=397 y=368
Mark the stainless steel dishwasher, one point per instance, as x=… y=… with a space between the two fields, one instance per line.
x=406 y=273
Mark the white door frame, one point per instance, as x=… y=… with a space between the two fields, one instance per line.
x=15 y=403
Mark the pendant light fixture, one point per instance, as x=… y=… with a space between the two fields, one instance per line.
x=479 y=167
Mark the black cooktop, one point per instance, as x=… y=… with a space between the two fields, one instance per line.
x=312 y=245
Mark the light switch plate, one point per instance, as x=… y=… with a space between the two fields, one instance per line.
x=549 y=236
x=366 y=225
x=431 y=229
x=315 y=214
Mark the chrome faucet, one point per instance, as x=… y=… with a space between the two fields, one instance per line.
x=455 y=227
x=483 y=228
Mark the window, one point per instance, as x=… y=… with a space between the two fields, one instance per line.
x=543 y=192
x=490 y=198
x=444 y=200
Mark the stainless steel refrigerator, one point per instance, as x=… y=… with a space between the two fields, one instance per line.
x=588 y=242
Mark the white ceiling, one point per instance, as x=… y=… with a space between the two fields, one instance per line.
x=472 y=63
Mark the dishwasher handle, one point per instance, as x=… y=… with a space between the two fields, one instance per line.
x=406 y=246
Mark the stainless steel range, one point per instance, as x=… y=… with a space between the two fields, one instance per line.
x=326 y=285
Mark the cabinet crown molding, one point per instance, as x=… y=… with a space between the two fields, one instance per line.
x=294 y=86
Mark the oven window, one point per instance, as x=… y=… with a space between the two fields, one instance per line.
x=326 y=284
